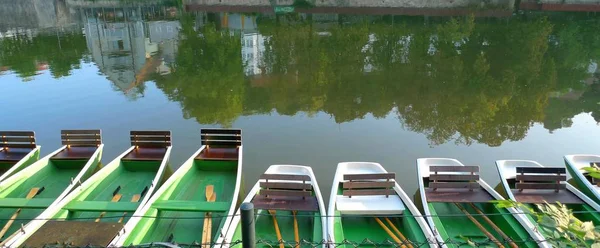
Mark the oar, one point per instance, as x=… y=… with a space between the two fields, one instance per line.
x=134 y=198
x=116 y=198
x=496 y=228
x=206 y=230
x=488 y=234
x=32 y=193
x=387 y=230
x=296 y=234
x=402 y=237
x=277 y=232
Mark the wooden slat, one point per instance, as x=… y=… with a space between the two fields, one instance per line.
x=541 y=178
x=273 y=192
x=541 y=170
x=18 y=139
x=285 y=177
x=220 y=131
x=96 y=131
x=221 y=143
x=454 y=185
x=150 y=133
x=369 y=192
x=285 y=185
x=18 y=145
x=151 y=138
x=79 y=136
x=559 y=186
x=82 y=142
x=367 y=185
x=151 y=144
x=441 y=168
x=452 y=177
x=371 y=176
x=17 y=133
x=221 y=137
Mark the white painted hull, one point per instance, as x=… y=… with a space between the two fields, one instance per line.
x=575 y=163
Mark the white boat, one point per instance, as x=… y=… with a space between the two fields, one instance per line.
x=529 y=182
x=186 y=209
x=588 y=185
x=284 y=194
x=17 y=151
x=107 y=199
x=456 y=203
x=367 y=203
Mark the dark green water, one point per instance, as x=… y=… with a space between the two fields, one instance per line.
x=312 y=89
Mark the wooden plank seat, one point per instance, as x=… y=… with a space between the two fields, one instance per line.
x=26 y=203
x=149 y=145
x=15 y=145
x=221 y=144
x=286 y=192
x=191 y=206
x=101 y=206
x=80 y=144
x=539 y=184
x=371 y=193
x=455 y=184
x=74 y=234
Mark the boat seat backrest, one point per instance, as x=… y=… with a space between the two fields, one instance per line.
x=369 y=184
x=81 y=138
x=221 y=137
x=540 y=178
x=453 y=177
x=17 y=139
x=151 y=139
x=595 y=181
x=285 y=185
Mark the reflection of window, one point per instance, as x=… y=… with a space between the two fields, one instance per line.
x=120 y=44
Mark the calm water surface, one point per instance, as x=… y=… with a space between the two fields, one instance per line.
x=311 y=89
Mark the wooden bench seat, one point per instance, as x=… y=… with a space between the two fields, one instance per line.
x=458 y=195
x=539 y=184
x=286 y=192
x=81 y=144
x=149 y=145
x=309 y=204
x=146 y=154
x=221 y=144
x=15 y=145
x=13 y=155
x=219 y=153
x=455 y=184
x=75 y=153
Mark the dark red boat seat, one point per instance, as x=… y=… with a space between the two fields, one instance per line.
x=288 y=192
x=81 y=144
x=149 y=145
x=221 y=144
x=455 y=184
x=15 y=145
x=539 y=184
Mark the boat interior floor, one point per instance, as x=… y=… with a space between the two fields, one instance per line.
x=539 y=196
x=359 y=229
x=13 y=155
x=457 y=195
x=219 y=153
x=144 y=153
x=74 y=234
x=285 y=220
x=75 y=153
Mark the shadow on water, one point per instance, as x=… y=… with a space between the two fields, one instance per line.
x=461 y=79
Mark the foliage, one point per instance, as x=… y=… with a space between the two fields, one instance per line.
x=561 y=227
x=592 y=171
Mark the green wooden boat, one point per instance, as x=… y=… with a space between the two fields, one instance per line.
x=26 y=194
x=369 y=205
x=283 y=196
x=194 y=206
x=582 y=180
x=17 y=151
x=531 y=183
x=456 y=203
x=93 y=213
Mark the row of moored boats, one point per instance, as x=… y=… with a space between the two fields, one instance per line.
x=68 y=198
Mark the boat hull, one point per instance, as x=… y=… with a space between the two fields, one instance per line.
x=9 y=168
x=581 y=180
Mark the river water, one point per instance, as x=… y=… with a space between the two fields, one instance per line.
x=312 y=89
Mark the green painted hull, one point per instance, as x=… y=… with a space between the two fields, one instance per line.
x=8 y=169
x=310 y=228
x=131 y=177
x=54 y=175
x=453 y=225
x=181 y=223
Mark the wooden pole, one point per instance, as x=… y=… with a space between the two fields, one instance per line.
x=32 y=193
x=402 y=237
x=296 y=234
x=488 y=234
x=387 y=230
x=496 y=228
x=277 y=232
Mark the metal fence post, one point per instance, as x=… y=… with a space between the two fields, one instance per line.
x=248 y=228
